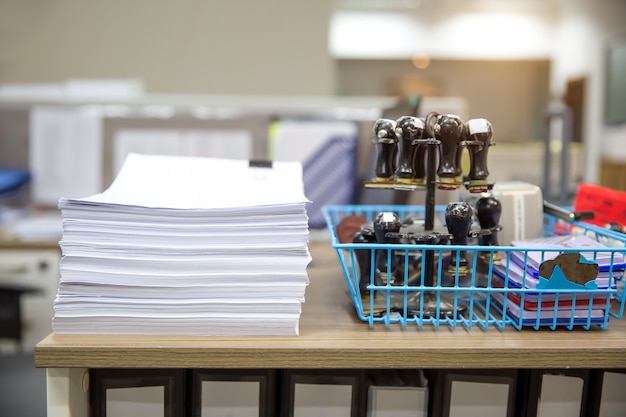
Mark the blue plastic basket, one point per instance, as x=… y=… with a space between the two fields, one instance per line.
x=490 y=294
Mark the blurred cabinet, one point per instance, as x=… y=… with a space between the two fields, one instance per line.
x=37 y=269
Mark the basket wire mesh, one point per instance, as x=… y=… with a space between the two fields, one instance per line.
x=487 y=295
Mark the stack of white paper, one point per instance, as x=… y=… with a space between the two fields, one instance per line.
x=189 y=246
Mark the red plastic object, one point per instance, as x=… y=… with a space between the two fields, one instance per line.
x=608 y=205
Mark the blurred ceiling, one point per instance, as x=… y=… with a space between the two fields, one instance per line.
x=458 y=5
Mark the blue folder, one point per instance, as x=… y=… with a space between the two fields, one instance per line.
x=11 y=180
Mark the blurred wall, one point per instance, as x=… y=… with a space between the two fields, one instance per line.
x=512 y=94
x=275 y=47
x=571 y=34
x=183 y=46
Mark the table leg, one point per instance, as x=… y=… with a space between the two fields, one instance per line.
x=67 y=392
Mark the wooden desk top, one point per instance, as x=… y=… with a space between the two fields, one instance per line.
x=10 y=243
x=332 y=337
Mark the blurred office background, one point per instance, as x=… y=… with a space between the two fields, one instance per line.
x=84 y=82
x=508 y=60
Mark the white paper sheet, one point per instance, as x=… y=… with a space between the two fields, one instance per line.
x=206 y=183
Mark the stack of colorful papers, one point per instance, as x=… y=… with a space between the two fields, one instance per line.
x=531 y=299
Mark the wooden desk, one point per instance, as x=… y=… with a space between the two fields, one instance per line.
x=10 y=243
x=330 y=337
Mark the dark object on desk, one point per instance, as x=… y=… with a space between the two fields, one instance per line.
x=431 y=305
x=11 y=311
x=438 y=138
x=430 y=121
x=384 y=223
x=448 y=130
x=410 y=130
x=489 y=211
x=384 y=136
x=428 y=303
x=479 y=133
x=348 y=227
x=563 y=214
x=459 y=221
x=364 y=259
x=574 y=268
x=259 y=163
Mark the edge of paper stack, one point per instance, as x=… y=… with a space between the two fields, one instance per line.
x=186 y=246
